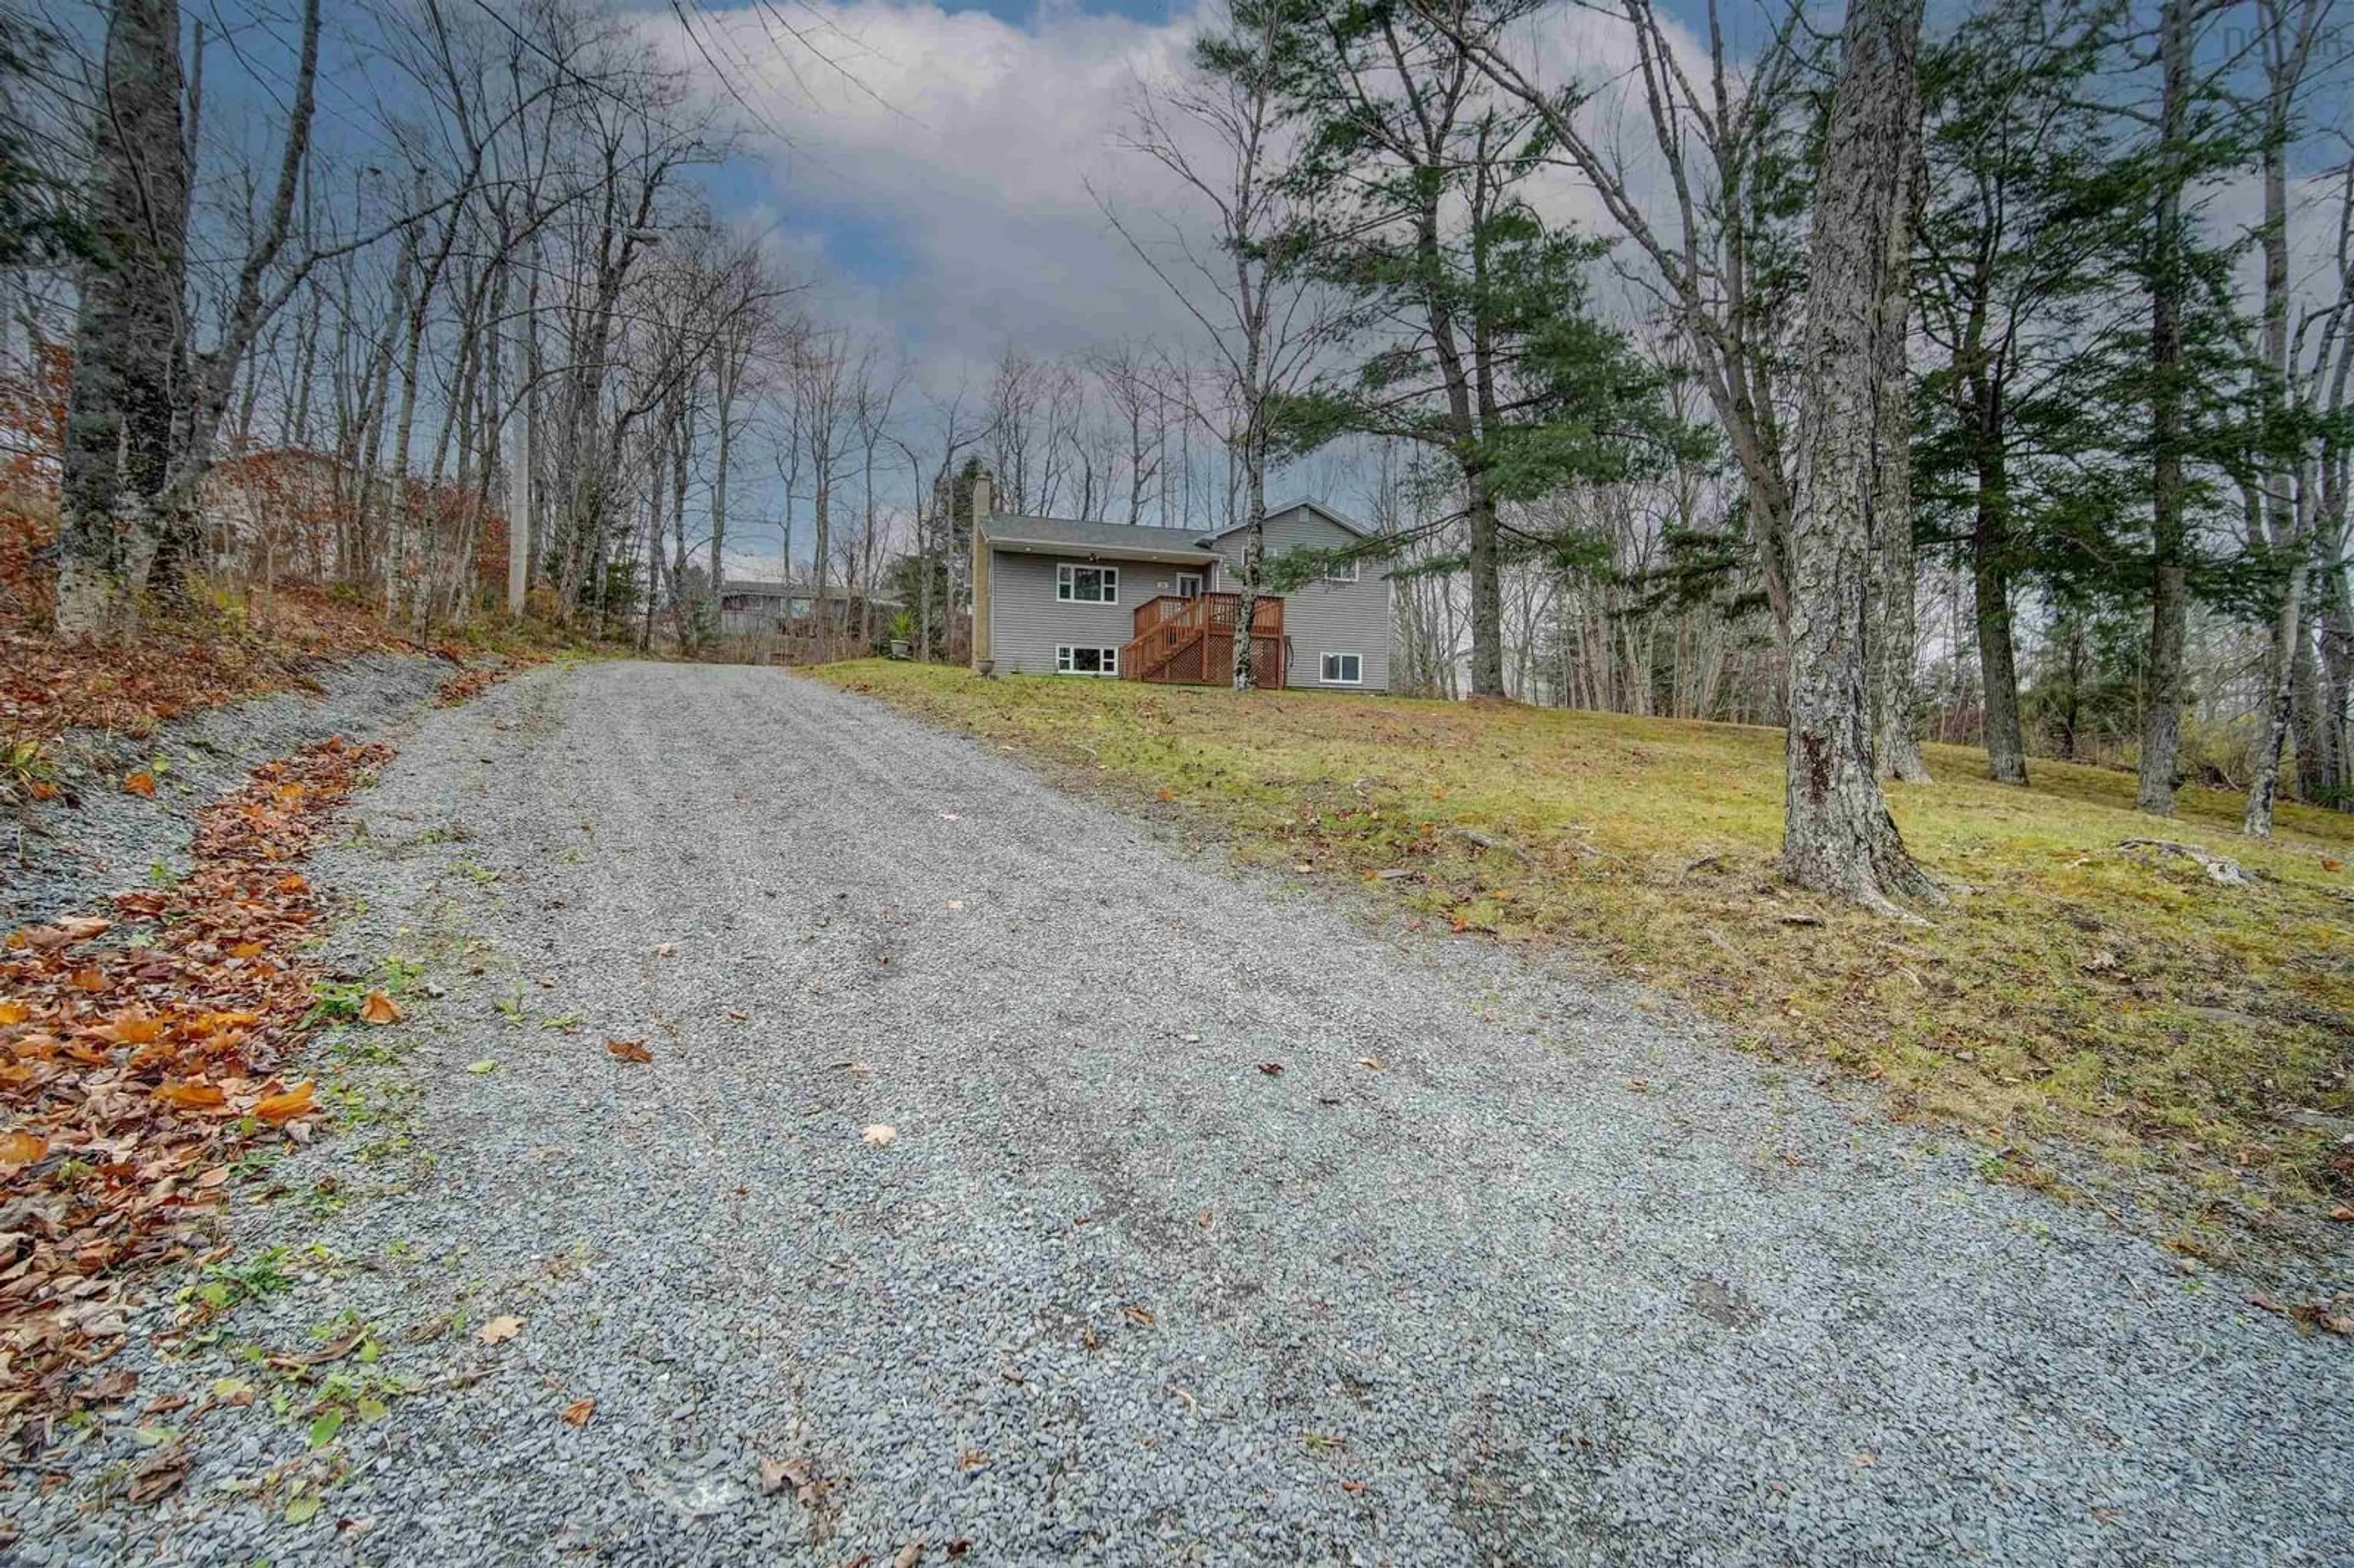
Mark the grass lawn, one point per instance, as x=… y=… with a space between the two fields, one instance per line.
x=2077 y=995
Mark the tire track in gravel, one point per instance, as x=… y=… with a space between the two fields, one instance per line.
x=1558 y=1283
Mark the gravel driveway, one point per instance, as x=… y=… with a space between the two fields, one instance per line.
x=1499 y=1267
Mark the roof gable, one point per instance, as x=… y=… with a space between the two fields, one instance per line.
x=1302 y=504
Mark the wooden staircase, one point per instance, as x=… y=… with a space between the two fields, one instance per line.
x=1191 y=641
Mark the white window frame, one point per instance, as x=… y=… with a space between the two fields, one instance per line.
x=1200 y=584
x=1066 y=588
x=1326 y=662
x=1341 y=572
x=1108 y=656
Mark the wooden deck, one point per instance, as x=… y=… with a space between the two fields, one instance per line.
x=1191 y=641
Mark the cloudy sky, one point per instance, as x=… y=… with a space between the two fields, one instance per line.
x=930 y=167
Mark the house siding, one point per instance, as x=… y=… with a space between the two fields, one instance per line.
x=1322 y=617
x=1027 y=622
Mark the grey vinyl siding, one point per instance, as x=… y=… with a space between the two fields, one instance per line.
x=1027 y=622
x=1323 y=618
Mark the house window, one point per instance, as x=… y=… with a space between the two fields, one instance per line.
x=1086 y=584
x=1342 y=670
x=1070 y=660
x=1341 y=572
x=1188 y=585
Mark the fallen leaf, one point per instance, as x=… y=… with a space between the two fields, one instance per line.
x=91 y=979
x=1168 y=794
x=302 y=1509
x=22 y=1148
x=971 y=1459
x=577 y=1412
x=160 y=1476
x=2331 y=864
x=667 y=949
x=913 y=1553
x=378 y=1008
x=285 y=1107
x=630 y=1050
x=142 y=784
x=1272 y=1069
x=487 y=1065
x=1373 y=1061
x=880 y=1133
x=1303 y=868
x=1137 y=1314
x=959 y=1547
x=2343 y=1214
x=1353 y=1487
x=499 y=1330
x=191 y=1096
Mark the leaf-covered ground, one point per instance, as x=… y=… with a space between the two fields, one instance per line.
x=2078 y=995
x=142 y=1055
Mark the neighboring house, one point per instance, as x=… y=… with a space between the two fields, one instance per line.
x=1052 y=595
x=754 y=608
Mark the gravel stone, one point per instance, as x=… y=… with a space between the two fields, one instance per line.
x=98 y=839
x=1112 y=1295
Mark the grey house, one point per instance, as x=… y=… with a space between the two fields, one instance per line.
x=1053 y=596
x=754 y=608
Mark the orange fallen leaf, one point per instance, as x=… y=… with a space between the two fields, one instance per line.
x=630 y=1050
x=192 y=1096
x=41 y=790
x=577 y=1412
x=248 y=949
x=22 y=1148
x=140 y=784
x=293 y=881
x=285 y=1107
x=498 y=1330
x=14 y=1013
x=2343 y=1214
x=135 y=1030
x=378 y=1008
x=1140 y=1315
x=2331 y=864
x=91 y=979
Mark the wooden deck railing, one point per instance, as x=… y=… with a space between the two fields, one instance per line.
x=1191 y=641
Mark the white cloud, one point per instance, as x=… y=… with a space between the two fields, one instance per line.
x=943 y=162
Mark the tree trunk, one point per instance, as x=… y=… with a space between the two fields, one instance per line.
x=1838 y=836
x=2006 y=739
x=1893 y=632
x=129 y=341
x=2161 y=706
x=2287 y=503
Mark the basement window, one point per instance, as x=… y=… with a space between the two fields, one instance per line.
x=1342 y=670
x=1086 y=584
x=1070 y=660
